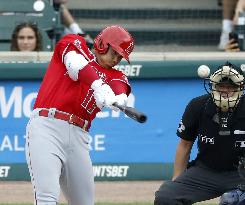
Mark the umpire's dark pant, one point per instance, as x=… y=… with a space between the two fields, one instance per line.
x=197 y=183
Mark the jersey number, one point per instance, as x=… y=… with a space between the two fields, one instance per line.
x=89 y=103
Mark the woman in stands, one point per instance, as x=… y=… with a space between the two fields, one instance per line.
x=26 y=37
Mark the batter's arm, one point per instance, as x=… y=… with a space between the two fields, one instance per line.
x=182 y=157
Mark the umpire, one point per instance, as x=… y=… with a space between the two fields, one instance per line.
x=217 y=121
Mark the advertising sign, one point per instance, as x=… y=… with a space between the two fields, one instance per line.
x=117 y=142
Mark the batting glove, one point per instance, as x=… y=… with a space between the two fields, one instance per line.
x=103 y=94
x=120 y=100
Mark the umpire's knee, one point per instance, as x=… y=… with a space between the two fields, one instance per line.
x=161 y=201
x=169 y=201
x=165 y=201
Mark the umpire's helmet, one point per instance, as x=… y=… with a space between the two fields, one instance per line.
x=118 y=38
x=226 y=75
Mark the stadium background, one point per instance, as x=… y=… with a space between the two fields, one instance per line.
x=172 y=39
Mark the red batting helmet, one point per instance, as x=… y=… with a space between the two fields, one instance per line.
x=118 y=38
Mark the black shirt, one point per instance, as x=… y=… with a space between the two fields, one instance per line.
x=216 y=150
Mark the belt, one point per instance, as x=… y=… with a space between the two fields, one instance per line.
x=70 y=118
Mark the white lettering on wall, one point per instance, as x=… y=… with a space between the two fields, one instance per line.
x=4 y=171
x=16 y=143
x=16 y=102
x=23 y=104
x=27 y=104
x=110 y=171
x=8 y=144
x=129 y=70
x=97 y=143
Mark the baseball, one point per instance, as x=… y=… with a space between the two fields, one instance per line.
x=203 y=71
x=38 y=5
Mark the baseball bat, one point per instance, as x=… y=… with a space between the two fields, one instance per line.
x=132 y=113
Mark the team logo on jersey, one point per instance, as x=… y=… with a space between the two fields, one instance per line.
x=130 y=48
x=77 y=43
x=181 y=127
x=102 y=76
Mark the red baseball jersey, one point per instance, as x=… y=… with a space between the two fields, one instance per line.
x=59 y=91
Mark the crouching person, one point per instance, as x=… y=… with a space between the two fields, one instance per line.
x=217 y=121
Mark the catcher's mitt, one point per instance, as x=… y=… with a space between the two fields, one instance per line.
x=241 y=167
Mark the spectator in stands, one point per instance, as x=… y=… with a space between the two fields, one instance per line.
x=71 y=26
x=232 y=44
x=26 y=37
x=227 y=22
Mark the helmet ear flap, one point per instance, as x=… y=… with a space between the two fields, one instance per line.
x=100 y=46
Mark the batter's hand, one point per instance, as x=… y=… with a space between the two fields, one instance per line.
x=103 y=94
x=120 y=100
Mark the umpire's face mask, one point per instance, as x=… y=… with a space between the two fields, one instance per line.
x=226 y=87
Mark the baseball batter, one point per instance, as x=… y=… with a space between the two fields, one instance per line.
x=76 y=86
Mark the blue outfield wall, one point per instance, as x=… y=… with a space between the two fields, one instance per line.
x=120 y=147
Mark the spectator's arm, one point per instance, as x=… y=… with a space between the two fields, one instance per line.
x=69 y=21
x=240 y=7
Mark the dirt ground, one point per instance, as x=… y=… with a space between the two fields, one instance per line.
x=123 y=191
